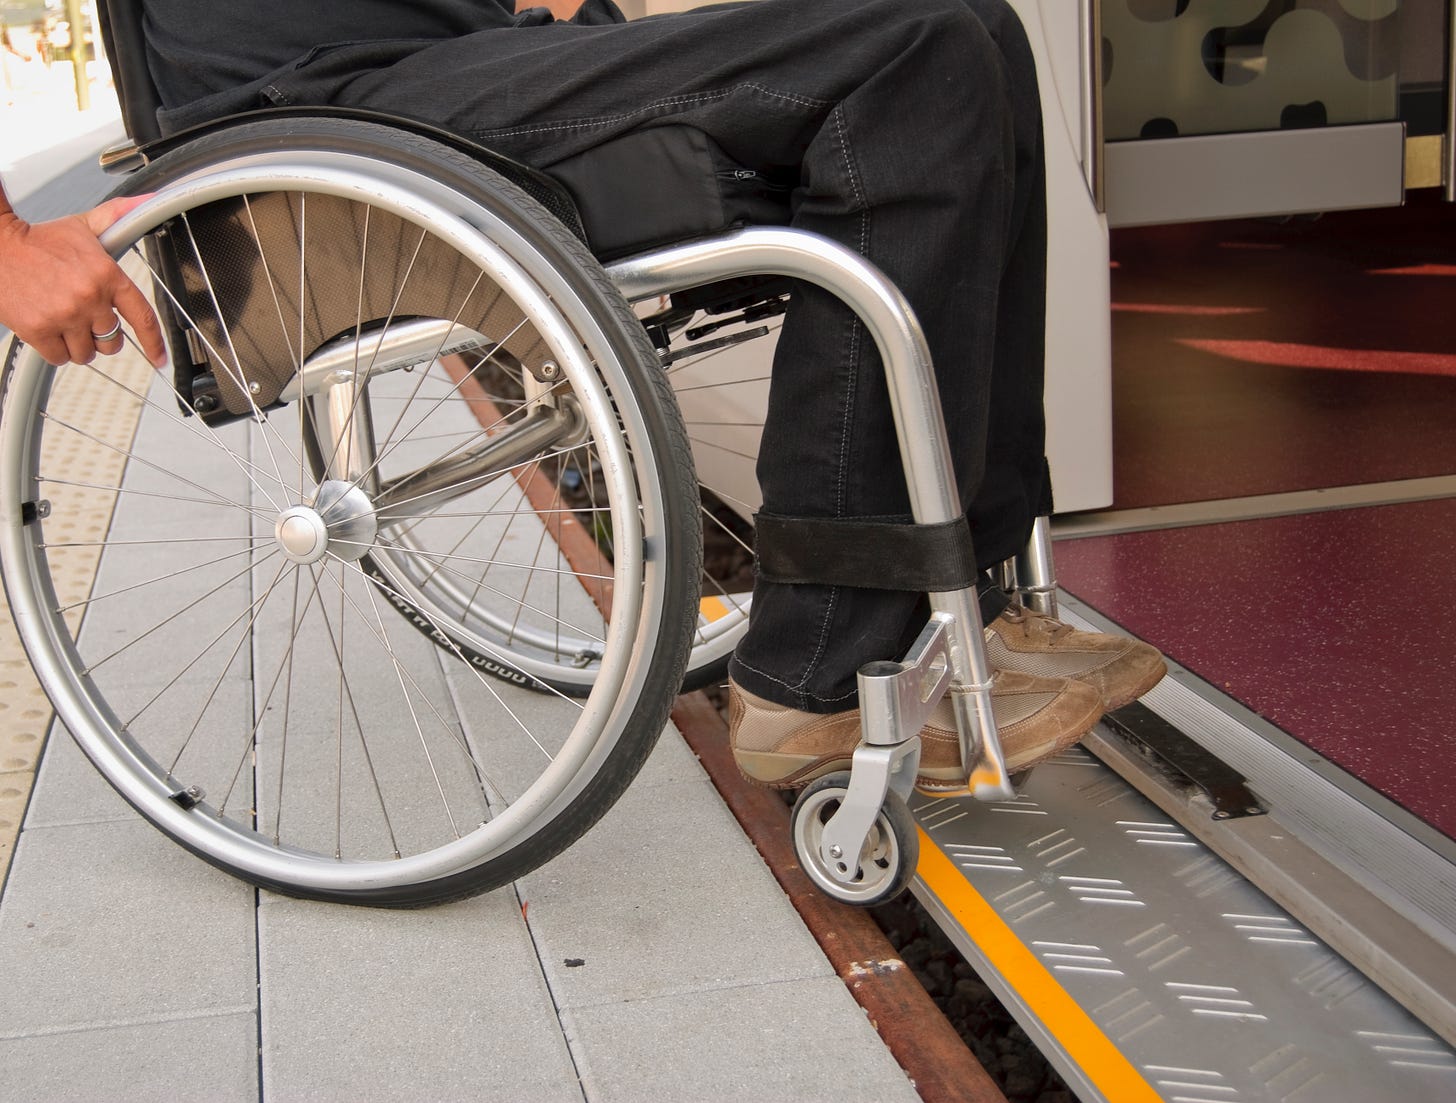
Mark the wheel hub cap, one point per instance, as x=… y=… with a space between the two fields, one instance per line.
x=340 y=522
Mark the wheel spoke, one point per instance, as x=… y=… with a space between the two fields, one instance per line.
x=250 y=608
x=188 y=423
x=92 y=667
x=131 y=492
x=234 y=369
x=481 y=775
x=168 y=577
x=722 y=383
x=358 y=382
x=243 y=637
x=187 y=318
x=250 y=746
x=489 y=688
x=383 y=636
x=484 y=433
x=346 y=696
x=294 y=354
x=706 y=443
x=133 y=458
x=440 y=563
x=389 y=435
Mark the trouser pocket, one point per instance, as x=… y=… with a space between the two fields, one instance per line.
x=665 y=184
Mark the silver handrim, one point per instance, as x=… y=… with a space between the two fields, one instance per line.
x=419 y=767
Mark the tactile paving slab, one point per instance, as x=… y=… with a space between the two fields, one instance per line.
x=80 y=517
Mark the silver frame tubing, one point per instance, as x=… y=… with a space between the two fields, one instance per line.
x=1036 y=575
x=541 y=292
x=919 y=424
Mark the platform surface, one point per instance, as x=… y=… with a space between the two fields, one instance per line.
x=1305 y=620
x=656 y=959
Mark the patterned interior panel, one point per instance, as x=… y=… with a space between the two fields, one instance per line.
x=1181 y=67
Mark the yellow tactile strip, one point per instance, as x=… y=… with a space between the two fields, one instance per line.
x=80 y=398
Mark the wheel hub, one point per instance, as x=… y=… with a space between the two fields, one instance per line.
x=340 y=522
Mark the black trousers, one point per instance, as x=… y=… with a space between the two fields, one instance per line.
x=912 y=132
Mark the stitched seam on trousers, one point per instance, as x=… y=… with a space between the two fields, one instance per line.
x=660 y=106
x=840 y=490
x=851 y=395
x=791 y=688
x=825 y=618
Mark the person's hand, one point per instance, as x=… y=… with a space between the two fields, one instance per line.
x=61 y=293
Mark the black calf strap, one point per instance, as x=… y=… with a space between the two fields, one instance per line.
x=878 y=554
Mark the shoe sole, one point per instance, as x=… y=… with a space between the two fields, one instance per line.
x=765 y=768
x=754 y=766
x=935 y=787
x=808 y=770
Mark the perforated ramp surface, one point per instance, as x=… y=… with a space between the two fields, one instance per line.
x=1150 y=969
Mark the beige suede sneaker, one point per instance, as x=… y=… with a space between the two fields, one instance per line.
x=784 y=748
x=1119 y=669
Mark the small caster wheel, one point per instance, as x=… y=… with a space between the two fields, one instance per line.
x=885 y=863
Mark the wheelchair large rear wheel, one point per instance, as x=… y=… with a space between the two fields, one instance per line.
x=285 y=660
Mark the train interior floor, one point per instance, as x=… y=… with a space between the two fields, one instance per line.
x=1285 y=498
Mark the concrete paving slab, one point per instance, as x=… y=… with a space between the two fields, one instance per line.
x=672 y=762
x=109 y=924
x=512 y=729
x=447 y=1003
x=791 y=1042
x=665 y=896
x=136 y=635
x=69 y=790
x=494 y=714
x=213 y=1057
x=406 y=779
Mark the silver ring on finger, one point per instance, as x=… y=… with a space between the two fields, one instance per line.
x=109 y=334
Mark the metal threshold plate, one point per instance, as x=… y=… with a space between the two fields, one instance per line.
x=1148 y=968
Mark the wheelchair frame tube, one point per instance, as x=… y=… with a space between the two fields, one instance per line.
x=1036 y=576
x=914 y=403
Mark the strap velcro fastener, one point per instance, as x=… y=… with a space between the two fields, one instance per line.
x=869 y=552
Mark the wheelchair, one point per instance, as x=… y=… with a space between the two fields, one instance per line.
x=402 y=560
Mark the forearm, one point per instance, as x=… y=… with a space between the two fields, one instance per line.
x=10 y=223
x=562 y=9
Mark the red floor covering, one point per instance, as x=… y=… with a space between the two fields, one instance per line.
x=1340 y=628
x=1257 y=357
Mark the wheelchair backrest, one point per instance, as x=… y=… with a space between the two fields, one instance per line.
x=126 y=51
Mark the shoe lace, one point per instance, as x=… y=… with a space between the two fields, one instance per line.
x=1050 y=626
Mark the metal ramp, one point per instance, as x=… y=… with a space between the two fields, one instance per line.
x=1106 y=909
